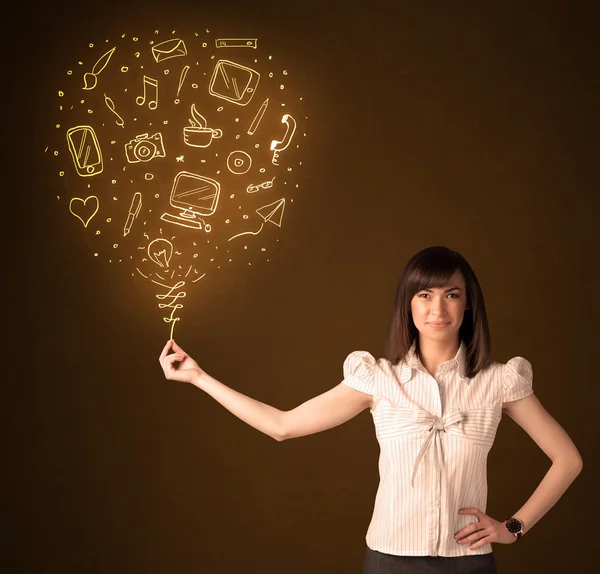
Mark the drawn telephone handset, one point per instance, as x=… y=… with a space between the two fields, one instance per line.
x=279 y=145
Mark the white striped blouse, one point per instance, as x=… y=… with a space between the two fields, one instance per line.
x=434 y=435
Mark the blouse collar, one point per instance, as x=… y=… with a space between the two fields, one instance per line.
x=411 y=362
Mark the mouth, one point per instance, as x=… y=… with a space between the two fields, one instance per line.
x=444 y=324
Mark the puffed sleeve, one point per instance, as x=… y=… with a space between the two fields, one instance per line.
x=359 y=371
x=517 y=379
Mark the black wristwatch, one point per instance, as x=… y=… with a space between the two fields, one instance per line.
x=514 y=526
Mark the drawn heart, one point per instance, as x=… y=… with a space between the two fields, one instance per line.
x=84 y=212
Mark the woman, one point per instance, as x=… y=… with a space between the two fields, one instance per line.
x=436 y=401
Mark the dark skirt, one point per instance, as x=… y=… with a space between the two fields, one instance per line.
x=380 y=563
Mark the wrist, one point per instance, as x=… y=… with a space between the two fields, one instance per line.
x=515 y=526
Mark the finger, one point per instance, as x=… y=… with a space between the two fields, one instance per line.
x=474 y=537
x=165 y=349
x=177 y=348
x=481 y=542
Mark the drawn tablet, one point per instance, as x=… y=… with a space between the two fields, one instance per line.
x=85 y=150
x=233 y=82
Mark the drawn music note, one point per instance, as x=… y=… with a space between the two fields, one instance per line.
x=141 y=100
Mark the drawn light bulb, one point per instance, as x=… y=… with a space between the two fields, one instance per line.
x=160 y=251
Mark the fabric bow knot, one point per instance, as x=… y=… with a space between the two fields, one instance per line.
x=434 y=425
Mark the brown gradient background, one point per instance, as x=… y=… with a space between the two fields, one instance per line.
x=472 y=126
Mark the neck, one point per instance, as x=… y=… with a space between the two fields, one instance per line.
x=434 y=353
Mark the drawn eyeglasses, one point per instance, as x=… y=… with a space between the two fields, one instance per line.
x=263 y=185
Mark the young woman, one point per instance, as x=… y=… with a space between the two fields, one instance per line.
x=436 y=401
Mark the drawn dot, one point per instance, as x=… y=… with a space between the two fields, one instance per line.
x=281 y=87
x=82 y=101
x=195 y=86
x=270 y=74
x=156 y=195
x=57 y=125
x=137 y=54
x=55 y=152
x=108 y=219
x=285 y=72
x=195 y=255
x=80 y=63
x=232 y=196
x=124 y=68
x=148 y=176
x=227 y=221
x=204 y=44
x=296 y=185
x=60 y=93
x=60 y=107
x=283 y=105
x=166 y=72
x=262 y=170
x=114 y=181
x=245 y=217
x=176 y=100
x=115 y=245
x=61 y=173
x=91 y=45
x=256 y=145
x=135 y=39
x=289 y=169
x=122 y=35
x=115 y=198
x=237 y=137
x=166 y=122
x=98 y=232
x=69 y=72
x=270 y=57
x=220 y=109
x=90 y=111
x=262 y=249
x=301 y=99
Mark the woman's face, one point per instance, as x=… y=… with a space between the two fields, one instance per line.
x=438 y=312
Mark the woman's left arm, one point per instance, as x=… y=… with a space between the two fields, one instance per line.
x=567 y=463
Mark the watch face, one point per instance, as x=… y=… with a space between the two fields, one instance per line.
x=513 y=525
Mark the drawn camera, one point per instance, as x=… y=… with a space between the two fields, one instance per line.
x=144 y=148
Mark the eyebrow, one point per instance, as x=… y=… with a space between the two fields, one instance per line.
x=446 y=291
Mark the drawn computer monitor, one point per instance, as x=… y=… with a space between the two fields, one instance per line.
x=196 y=196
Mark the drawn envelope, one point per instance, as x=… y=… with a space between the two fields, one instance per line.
x=169 y=49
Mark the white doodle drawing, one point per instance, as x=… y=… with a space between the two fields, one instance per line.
x=111 y=106
x=199 y=135
x=196 y=196
x=82 y=211
x=144 y=148
x=238 y=162
x=85 y=150
x=233 y=82
x=258 y=117
x=90 y=79
x=182 y=76
x=271 y=213
x=134 y=210
x=236 y=43
x=279 y=145
x=173 y=48
x=264 y=185
x=160 y=251
x=150 y=85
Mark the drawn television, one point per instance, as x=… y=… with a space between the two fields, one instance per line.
x=196 y=196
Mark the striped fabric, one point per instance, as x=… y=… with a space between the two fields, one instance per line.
x=434 y=435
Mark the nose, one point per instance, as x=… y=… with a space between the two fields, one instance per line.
x=438 y=307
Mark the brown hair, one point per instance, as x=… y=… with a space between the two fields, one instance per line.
x=433 y=267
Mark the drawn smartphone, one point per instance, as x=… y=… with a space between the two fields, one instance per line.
x=233 y=82
x=85 y=150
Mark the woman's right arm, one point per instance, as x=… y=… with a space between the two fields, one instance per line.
x=320 y=413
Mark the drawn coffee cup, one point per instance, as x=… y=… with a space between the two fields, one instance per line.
x=200 y=137
x=198 y=134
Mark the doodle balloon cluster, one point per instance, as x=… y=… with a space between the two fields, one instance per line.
x=179 y=154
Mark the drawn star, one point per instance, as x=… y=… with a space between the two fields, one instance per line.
x=179 y=158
